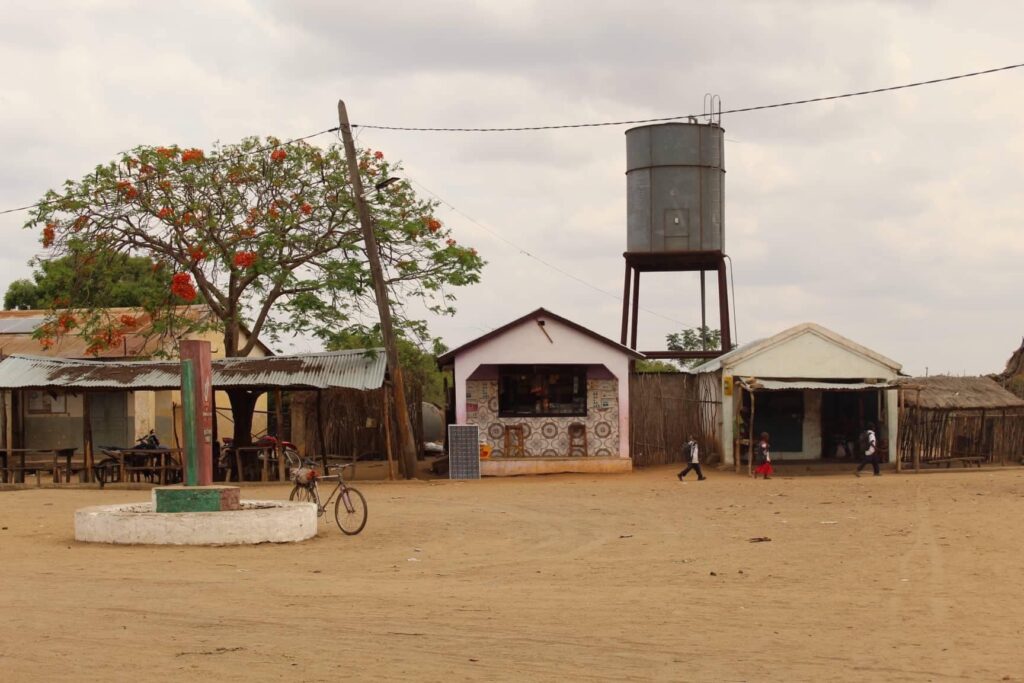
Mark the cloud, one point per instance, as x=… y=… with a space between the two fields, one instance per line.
x=895 y=219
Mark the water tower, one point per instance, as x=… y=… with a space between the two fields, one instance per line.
x=675 y=181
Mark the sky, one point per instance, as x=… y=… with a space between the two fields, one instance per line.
x=895 y=219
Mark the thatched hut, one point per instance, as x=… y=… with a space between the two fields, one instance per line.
x=970 y=420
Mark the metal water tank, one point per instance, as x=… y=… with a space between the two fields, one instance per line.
x=675 y=181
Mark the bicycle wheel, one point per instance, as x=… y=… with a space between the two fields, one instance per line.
x=303 y=493
x=350 y=511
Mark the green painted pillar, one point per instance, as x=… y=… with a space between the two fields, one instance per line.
x=188 y=404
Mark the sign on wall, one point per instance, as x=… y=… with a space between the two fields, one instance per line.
x=463 y=452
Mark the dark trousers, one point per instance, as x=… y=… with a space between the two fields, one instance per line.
x=873 y=459
x=695 y=466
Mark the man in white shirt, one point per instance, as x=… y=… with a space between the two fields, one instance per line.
x=869 y=448
x=692 y=452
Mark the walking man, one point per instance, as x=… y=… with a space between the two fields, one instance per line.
x=869 y=450
x=692 y=450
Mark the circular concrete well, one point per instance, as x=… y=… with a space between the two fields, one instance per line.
x=256 y=521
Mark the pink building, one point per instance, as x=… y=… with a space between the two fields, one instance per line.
x=548 y=395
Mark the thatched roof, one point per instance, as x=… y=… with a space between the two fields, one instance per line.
x=1013 y=376
x=958 y=393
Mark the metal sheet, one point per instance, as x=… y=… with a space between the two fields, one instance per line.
x=675 y=188
x=362 y=369
x=758 y=384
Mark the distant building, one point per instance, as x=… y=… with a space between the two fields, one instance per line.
x=548 y=395
x=811 y=389
x=53 y=419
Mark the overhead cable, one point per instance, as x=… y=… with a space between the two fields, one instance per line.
x=661 y=119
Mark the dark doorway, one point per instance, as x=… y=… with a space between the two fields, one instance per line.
x=781 y=414
x=843 y=416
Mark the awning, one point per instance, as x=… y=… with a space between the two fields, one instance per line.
x=362 y=369
x=757 y=384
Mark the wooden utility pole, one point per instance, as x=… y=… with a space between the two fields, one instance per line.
x=406 y=443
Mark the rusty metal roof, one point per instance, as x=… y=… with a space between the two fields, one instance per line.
x=355 y=369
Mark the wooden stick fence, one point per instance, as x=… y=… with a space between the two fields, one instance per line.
x=665 y=409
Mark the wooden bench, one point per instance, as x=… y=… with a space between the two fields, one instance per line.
x=37 y=461
x=965 y=460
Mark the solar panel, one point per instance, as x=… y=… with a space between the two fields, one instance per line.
x=463 y=452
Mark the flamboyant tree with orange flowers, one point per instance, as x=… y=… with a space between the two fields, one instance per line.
x=264 y=234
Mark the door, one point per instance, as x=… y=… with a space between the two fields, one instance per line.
x=108 y=412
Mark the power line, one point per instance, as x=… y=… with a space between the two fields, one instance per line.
x=686 y=116
x=218 y=160
x=528 y=254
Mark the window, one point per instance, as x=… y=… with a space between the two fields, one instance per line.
x=542 y=390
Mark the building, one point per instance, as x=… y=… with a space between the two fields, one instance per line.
x=811 y=389
x=53 y=419
x=548 y=395
x=970 y=420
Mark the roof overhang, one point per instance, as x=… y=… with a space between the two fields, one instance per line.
x=362 y=369
x=756 y=384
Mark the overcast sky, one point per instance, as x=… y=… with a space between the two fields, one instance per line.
x=896 y=219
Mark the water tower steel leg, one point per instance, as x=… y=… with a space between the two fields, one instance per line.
x=723 y=306
x=703 y=314
x=625 y=306
x=636 y=306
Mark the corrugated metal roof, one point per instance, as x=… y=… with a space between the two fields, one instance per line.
x=355 y=369
x=784 y=385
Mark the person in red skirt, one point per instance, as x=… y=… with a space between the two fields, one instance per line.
x=763 y=457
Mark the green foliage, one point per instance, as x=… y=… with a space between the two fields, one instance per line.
x=694 y=339
x=655 y=366
x=22 y=295
x=266 y=235
x=107 y=280
x=419 y=366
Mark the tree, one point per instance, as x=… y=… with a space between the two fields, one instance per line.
x=419 y=366
x=267 y=234
x=126 y=281
x=647 y=366
x=694 y=339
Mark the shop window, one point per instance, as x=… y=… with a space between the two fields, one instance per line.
x=542 y=390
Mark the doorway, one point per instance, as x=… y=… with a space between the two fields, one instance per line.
x=108 y=413
x=843 y=416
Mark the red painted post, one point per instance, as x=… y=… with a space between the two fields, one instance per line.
x=199 y=353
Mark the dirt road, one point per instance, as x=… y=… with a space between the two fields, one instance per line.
x=575 y=577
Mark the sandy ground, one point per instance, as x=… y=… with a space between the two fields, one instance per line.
x=573 y=577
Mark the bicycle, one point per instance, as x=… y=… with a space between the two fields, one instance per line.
x=349 y=509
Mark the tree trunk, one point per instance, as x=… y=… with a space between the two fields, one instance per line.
x=243 y=403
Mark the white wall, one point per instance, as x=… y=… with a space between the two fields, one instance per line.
x=527 y=344
x=806 y=356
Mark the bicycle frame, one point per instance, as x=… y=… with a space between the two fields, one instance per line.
x=340 y=486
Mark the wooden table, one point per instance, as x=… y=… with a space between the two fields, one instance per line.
x=156 y=459
x=268 y=451
x=17 y=474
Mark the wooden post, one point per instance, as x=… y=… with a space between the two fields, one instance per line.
x=279 y=418
x=750 y=431
x=899 y=422
x=386 y=410
x=407 y=447
x=5 y=442
x=917 y=451
x=320 y=428
x=87 y=448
